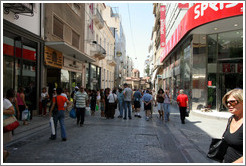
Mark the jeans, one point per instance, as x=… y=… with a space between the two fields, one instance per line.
x=59 y=116
x=127 y=106
x=121 y=107
x=166 y=111
x=80 y=113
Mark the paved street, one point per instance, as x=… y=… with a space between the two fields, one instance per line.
x=118 y=141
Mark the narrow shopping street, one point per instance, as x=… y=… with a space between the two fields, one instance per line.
x=118 y=141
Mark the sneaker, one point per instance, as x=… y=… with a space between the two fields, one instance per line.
x=139 y=116
x=147 y=118
x=135 y=115
x=64 y=139
x=124 y=118
x=130 y=117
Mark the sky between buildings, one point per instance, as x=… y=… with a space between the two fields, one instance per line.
x=137 y=28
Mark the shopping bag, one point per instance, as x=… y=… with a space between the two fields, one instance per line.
x=72 y=113
x=52 y=126
x=87 y=111
x=187 y=113
x=97 y=108
x=10 y=123
x=25 y=114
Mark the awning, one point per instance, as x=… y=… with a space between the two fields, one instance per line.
x=69 y=50
x=153 y=76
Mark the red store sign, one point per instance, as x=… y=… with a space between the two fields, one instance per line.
x=163 y=25
x=199 y=14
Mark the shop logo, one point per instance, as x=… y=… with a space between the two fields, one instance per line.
x=200 y=9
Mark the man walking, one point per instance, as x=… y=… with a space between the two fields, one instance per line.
x=147 y=100
x=182 y=101
x=136 y=98
x=80 y=101
x=127 y=99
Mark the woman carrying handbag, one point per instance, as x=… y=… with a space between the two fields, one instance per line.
x=233 y=136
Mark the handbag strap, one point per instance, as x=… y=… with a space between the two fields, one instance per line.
x=228 y=124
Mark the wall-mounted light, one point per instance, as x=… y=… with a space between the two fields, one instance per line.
x=215 y=28
x=235 y=25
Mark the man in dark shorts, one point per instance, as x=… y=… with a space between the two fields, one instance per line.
x=136 y=98
x=147 y=99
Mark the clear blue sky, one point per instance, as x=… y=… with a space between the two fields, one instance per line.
x=138 y=33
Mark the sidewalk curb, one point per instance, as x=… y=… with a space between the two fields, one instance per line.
x=209 y=115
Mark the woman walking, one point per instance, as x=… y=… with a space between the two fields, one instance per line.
x=160 y=100
x=167 y=102
x=21 y=103
x=233 y=101
x=112 y=99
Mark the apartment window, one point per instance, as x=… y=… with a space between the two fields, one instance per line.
x=75 y=40
x=58 y=28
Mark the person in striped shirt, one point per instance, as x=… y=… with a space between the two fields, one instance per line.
x=80 y=102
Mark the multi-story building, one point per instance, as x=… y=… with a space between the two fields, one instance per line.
x=23 y=49
x=202 y=50
x=65 y=59
x=112 y=17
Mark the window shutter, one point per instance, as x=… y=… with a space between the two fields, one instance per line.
x=58 y=28
x=75 y=40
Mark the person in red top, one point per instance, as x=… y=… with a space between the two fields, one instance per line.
x=59 y=113
x=182 y=101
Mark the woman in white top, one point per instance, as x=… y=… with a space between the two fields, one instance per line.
x=8 y=110
x=112 y=97
x=167 y=102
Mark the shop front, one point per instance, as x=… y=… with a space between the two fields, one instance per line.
x=206 y=59
x=53 y=61
x=93 y=77
x=71 y=74
x=22 y=52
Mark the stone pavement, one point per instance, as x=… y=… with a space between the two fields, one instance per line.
x=39 y=122
x=137 y=137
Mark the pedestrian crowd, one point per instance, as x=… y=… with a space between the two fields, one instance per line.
x=128 y=101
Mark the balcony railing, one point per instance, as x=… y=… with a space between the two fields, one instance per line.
x=18 y=8
x=98 y=51
x=98 y=19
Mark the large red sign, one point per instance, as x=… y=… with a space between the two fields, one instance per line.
x=199 y=14
x=163 y=25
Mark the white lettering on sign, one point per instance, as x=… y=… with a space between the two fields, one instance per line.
x=200 y=9
x=162 y=26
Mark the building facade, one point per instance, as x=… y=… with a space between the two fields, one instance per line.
x=203 y=51
x=112 y=17
x=136 y=82
x=23 y=49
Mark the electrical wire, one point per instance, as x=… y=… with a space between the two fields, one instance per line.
x=131 y=31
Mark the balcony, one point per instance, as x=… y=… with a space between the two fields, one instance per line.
x=97 y=51
x=99 y=22
x=111 y=61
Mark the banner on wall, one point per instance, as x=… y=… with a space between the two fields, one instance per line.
x=163 y=25
x=199 y=14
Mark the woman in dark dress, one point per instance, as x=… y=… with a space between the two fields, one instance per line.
x=233 y=100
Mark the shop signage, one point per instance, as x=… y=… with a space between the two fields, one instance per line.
x=199 y=14
x=163 y=25
x=27 y=52
x=53 y=58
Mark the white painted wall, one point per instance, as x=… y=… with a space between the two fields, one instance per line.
x=31 y=24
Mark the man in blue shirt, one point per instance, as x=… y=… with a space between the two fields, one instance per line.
x=137 y=97
x=147 y=99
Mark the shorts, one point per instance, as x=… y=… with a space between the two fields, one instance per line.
x=160 y=106
x=147 y=107
x=136 y=104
